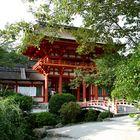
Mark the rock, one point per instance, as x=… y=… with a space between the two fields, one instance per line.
x=59 y=125
x=40 y=132
x=48 y=127
x=107 y=119
x=57 y=135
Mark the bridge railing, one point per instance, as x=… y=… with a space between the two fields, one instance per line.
x=112 y=106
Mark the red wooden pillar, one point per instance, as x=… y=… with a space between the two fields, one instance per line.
x=46 y=88
x=91 y=93
x=57 y=86
x=103 y=93
x=84 y=91
x=60 y=83
x=78 y=94
x=96 y=92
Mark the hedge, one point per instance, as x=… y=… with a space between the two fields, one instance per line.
x=58 y=100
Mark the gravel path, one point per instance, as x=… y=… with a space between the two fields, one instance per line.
x=120 y=128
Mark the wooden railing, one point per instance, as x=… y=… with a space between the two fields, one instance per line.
x=66 y=63
x=63 y=62
x=106 y=104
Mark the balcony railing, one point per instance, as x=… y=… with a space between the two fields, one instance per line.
x=64 y=63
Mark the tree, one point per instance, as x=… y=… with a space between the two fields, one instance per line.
x=106 y=21
x=127 y=82
x=10 y=58
x=12 y=124
x=9 y=43
x=103 y=21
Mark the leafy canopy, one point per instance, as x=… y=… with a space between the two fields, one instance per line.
x=127 y=83
x=105 y=21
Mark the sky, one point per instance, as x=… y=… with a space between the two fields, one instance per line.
x=15 y=10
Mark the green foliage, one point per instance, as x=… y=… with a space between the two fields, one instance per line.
x=32 y=39
x=4 y=92
x=25 y=102
x=11 y=58
x=105 y=19
x=12 y=124
x=58 y=100
x=81 y=115
x=42 y=119
x=87 y=114
x=104 y=115
x=12 y=33
x=91 y=115
x=104 y=73
x=82 y=75
x=127 y=83
x=136 y=116
x=69 y=111
x=13 y=110
x=106 y=67
x=132 y=115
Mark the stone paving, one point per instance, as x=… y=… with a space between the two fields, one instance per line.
x=119 y=128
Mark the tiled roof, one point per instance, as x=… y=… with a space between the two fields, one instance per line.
x=16 y=73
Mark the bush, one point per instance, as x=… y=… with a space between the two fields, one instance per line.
x=25 y=102
x=12 y=123
x=81 y=116
x=104 y=115
x=4 y=92
x=41 y=119
x=91 y=115
x=69 y=112
x=58 y=100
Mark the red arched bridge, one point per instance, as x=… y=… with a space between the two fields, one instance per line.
x=116 y=107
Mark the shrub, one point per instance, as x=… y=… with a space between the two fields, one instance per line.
x=69 y=112
x=12 y=123
x=104 y=115
x=81 y=117
x=41 y=119
x=58 y=100
x=91 y=115
x=25 y=102
x=4 y=92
